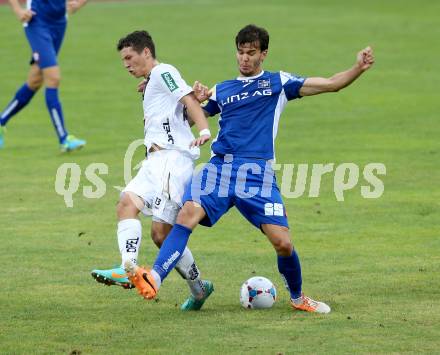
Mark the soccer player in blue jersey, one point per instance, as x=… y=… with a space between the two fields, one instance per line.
x=44 y=23
x=239 y=173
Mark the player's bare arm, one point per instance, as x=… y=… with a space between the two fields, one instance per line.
x=198 y=117
x=24 y=15
x=74 y=5
x=317 y=85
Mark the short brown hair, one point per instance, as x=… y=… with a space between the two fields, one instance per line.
x=138 y=40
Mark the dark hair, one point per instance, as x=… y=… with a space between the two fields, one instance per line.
x=254 y=35
x=138 y=40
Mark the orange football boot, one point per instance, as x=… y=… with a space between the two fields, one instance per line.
x=308 y=305
x=142 y=280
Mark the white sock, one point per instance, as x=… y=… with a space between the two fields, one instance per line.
x=156 y=278
x=129 y=239
x=188 y=269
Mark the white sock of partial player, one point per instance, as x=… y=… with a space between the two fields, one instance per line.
x=188 y=269
x=156 y=278
x=129 y=239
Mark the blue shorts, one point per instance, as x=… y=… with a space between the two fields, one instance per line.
x=45 y=40
x=248 y=184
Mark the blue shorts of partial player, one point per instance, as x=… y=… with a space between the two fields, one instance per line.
x=246 y=183
x=45 y=40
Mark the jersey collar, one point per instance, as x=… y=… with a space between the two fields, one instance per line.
x=247 y=78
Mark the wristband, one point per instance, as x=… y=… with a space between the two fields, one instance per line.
x=205 y=132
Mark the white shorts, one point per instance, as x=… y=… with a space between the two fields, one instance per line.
x=161 y=182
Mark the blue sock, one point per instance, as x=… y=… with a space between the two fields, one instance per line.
x=20 y=100
x=290 y=268
x=171 y=250
x=56 y=113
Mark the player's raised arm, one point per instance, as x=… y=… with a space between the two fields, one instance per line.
x=316 y=85
x=74 y=5
x=197 y=116
x=24 y=15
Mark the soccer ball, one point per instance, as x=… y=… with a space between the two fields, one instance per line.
x=258 y=292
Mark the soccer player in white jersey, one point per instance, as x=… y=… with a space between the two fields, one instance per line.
x=239 y=173
x=158 y=187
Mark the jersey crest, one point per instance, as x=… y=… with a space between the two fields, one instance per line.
x=171 y=84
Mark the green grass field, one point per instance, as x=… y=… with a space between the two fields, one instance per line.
x=376 y=261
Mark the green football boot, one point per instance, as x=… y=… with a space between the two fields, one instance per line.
x=116 y=276
x=193 y=304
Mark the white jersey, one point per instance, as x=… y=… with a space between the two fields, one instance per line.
x=165 y=123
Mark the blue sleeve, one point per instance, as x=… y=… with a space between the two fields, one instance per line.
x=292 y=85
x=211 y=107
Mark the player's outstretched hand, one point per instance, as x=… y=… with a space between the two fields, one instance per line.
x=201 y=91
x=25 y=15
x=200 y=141
x=74 y=5
x=365 y=58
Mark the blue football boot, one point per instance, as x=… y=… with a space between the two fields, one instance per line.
x=71 y=143
x=2 y=139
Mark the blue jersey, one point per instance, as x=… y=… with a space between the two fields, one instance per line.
x=250 y=109
x=49 y=11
